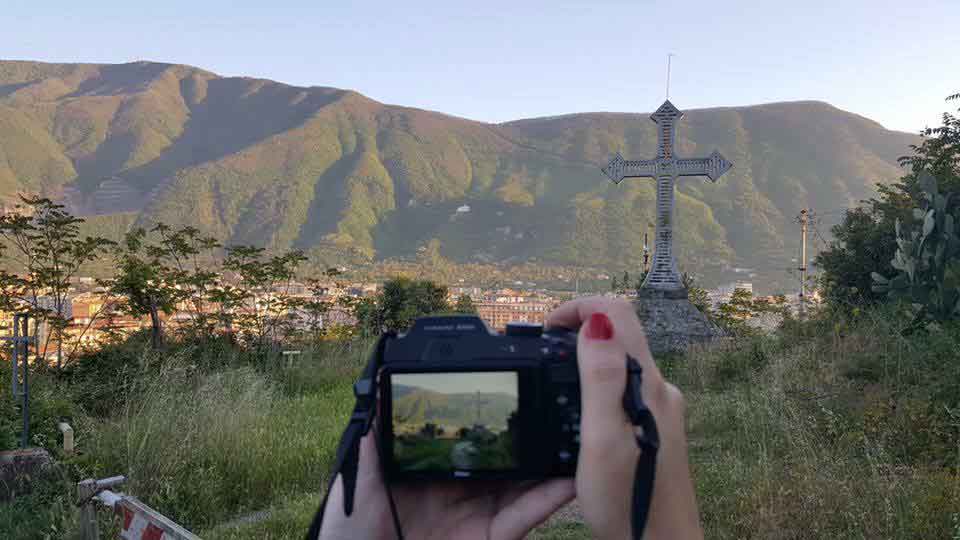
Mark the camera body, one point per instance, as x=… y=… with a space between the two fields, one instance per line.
x=458 y=401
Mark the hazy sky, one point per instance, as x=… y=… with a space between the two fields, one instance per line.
x=893 y=61
x=457 y=383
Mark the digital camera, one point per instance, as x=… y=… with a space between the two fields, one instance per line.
x=458 y=401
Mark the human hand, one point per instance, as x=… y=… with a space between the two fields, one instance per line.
x=440 y=510
x=610 y=330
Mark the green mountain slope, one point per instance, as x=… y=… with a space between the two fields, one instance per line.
x=417 y=405
x=251 y=160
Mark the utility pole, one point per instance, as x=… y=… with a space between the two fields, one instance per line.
x=803 y=219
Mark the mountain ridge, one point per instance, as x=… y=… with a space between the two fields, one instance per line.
x=414 y=405
x=326 y=169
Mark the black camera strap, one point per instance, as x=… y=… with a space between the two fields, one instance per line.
x=347 y=461
x=649 y=443
x=364 y=411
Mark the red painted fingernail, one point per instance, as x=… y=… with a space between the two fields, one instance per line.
x=599 y=327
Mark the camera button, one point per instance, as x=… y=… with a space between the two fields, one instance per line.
x=564 y=456
x=562 y=399
x=522 y=329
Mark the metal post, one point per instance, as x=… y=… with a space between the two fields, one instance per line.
x=803 y=262
x=15 y=359
x=25 y=436
x=89 y=528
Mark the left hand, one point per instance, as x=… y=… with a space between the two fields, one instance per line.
x=503 y=510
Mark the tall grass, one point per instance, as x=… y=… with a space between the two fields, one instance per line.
x=842 y=427
x=845 y=434
x=204 y=447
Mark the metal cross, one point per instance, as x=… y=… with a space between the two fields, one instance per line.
x=665 y=168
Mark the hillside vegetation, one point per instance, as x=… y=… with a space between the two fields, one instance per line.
x=838 y=428
x=259 y=162
x=416 y=406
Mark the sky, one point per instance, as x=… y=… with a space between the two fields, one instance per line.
x=891 y=61
x=504 y=382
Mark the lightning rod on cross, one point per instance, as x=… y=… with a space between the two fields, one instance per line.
x=669 y=58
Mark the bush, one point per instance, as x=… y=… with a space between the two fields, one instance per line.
x=50 y=403
x=47 y=512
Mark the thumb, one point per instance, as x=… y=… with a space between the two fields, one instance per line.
x=608 y=452
x=603 y=379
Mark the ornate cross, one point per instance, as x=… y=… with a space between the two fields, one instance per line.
x=665 y=168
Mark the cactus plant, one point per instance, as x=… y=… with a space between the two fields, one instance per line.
x=927 y=258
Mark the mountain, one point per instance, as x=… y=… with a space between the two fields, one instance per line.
x=329 y=170
x=413 y=405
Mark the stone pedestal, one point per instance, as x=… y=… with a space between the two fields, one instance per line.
x=672 y=323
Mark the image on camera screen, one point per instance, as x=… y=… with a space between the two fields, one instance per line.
x=455 y=421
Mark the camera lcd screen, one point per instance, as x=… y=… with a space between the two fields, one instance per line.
x=466 y=421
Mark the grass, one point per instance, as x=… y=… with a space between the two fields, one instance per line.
x=849 y=434
x=841 y=428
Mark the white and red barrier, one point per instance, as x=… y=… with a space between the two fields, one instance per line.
x=139 y=521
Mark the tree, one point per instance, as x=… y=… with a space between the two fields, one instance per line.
x=640 y=279
x=188 y=260
x=45 y=243
x=696 y=294
x=700 y=300
x=938 y=154
x=256 y=303
x=316 y=308
x=865 y=241
x=465 y=305
x=734 y=313
x=145 y=281
x=399 y=303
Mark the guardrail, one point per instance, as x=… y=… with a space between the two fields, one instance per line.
x=140 y=522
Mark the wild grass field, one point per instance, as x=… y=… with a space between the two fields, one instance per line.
x=844 y=427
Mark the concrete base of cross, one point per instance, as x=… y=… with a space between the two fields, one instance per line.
x=672 y=323
x=672 y=294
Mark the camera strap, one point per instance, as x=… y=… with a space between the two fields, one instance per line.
x=649 y=443
x=347 y=460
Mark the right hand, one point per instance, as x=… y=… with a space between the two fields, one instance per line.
x=609 y=331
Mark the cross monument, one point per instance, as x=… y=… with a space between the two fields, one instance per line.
x=665 y=169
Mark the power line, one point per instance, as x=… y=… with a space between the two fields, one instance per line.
x=817 y=221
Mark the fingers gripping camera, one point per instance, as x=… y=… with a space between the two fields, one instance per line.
x=458 y=401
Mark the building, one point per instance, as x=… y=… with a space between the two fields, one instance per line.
x=724 y=293
x=497 y=315
x=513 y=306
